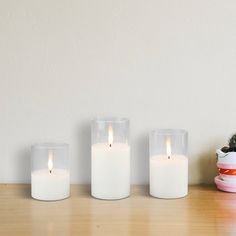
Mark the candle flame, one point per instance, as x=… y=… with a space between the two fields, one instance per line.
x=50 y=161
x=168 y=147
x=110 y=136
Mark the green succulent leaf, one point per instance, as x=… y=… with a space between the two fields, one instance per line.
x=232 y=142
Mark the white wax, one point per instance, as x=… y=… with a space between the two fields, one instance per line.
x=169 y=177
x=50 y=186
x=110 y=171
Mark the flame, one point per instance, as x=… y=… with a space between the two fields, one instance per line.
x=110 y=136
x=50 y=161
x=168 y=147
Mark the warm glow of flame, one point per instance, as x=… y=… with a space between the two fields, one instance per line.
x=110 y=136
x=50 y=161
x=168 y=148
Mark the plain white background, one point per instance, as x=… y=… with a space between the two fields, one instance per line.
x=160 y=63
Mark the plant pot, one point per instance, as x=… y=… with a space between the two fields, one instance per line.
x=226 y=162
x=225 y=185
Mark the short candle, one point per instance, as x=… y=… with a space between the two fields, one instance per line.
x=168 y=164
x=50 y=178
x=110 y=159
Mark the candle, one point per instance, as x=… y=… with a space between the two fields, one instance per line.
x=49 y=183
x=110 y=168
x=50 y=186
x=169 y=173
x=169 y=177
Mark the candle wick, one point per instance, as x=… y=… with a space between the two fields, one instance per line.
x=110 y=144
x=50 y=171
x=168 y=157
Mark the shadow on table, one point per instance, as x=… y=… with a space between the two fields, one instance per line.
x=25 y=191
x=82 y=164
x=81 y=190
x=207 y=166
x=23 y=171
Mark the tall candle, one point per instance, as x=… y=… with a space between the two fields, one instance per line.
x=110 y=160
x=110 y=171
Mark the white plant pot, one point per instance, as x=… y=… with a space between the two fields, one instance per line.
x=226 y=160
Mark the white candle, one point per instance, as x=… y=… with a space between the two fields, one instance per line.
x=168 y=175
x=50 y=184
x=110 y=170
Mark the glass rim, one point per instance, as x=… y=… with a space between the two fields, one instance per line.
x=110 y=119
x=169 y=132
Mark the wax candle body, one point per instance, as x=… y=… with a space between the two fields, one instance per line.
x=50 y=186
x=110 y=171
x=169 y=177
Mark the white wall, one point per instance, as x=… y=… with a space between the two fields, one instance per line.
x=161 y=63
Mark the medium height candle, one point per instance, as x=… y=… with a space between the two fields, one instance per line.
x=110 y=158
x=168 y=163
x=50 y=178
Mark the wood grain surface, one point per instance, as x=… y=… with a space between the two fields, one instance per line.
x=205 y=211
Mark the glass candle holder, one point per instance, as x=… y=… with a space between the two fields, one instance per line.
x=50 y=177
x=168 y=163
x=110 y=158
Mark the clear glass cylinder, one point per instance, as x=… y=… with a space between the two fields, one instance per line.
x=168 y=163
x=50 y=176
x=110 y=158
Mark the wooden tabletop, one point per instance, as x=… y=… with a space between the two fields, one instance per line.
x=205 y=211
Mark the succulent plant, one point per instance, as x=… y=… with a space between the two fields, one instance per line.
x=232 y=142
x=225 y=149
x=232 y=145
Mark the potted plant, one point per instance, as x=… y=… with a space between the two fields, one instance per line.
x=226 y=156
x=226 y=163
